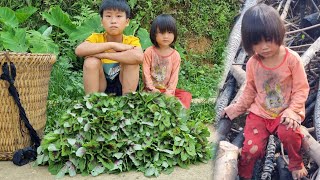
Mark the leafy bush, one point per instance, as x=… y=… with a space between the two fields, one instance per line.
x=17 y=39
x=147 y=132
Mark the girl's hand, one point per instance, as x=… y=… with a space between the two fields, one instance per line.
x=223 y=114
x=290 y=123
x=121 y=47
x=156 y=91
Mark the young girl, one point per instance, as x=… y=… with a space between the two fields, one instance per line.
x=275 y=93
x=161 y=62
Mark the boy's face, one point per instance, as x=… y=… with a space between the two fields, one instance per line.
x=114 y=21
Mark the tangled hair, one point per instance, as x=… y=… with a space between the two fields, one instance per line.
x=261 y=22
x=120 y=5
x=163 y=23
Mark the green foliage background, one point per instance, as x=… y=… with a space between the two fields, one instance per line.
x=200 y=71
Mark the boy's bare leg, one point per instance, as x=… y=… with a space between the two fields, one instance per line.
x=93 y=76
x=129 y=77
x=299 y=174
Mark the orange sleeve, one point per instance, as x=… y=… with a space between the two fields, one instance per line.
x=299 y=93
x=247 y=97
x=173 y=81
x=146 y=68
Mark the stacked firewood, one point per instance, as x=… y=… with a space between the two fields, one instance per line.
x=302 y=21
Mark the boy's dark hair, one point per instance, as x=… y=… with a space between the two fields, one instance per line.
x=120 y=5
x=261 y=22
x=165 y=23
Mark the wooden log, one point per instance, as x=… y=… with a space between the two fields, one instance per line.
x=234 y=42
x=238 y=73
x=223 y=128
x=311 y=98
x=316 y=116
x=226 y=163
x=318 y=175
x=310 y=145
x=238 y=141
x=310 y=109
x=285 y=10
x=241 y=56
x=240 y=91
x=311 y=52
x=224 y=98
x=280 y=5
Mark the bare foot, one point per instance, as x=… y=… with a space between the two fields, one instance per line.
x=298 y=174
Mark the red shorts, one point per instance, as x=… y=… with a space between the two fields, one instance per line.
x=184 y=96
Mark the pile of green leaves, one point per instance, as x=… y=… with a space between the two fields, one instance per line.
x=150 y=133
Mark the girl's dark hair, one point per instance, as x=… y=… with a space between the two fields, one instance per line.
x=261 y=22
x=120 y=5
x=165 y=23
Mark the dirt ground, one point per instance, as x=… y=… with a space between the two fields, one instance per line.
x=201 y=171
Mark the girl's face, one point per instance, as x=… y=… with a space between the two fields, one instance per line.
x=164 y=39
x=266 y=48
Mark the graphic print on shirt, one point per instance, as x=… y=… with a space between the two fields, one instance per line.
x=159 y=71
x=274 y=101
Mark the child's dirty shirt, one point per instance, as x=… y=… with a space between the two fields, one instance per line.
x=271 y=92
x=161 y=72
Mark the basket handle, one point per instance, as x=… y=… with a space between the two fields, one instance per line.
x=12 y=69
x=6 y=54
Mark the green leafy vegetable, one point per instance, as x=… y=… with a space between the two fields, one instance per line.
x=147 y=132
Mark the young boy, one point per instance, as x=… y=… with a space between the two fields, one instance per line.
x=111 y=59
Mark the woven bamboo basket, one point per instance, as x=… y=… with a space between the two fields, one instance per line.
x=32 y=83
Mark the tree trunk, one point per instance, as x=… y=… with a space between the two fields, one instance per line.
x=234 y=42
x=240 y=91
x=311 y=52
x=310 y=145
x=285 y=10
x=224 y=98
x=226 y=163
x=316 y=116
x=238 y=73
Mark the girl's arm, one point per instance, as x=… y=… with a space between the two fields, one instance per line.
x=247 y=97
x=299 y=93
x=173 y=80
x=146 y=70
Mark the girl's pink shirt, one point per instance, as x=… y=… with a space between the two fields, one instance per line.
x=272 y=92
x=161 y=72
